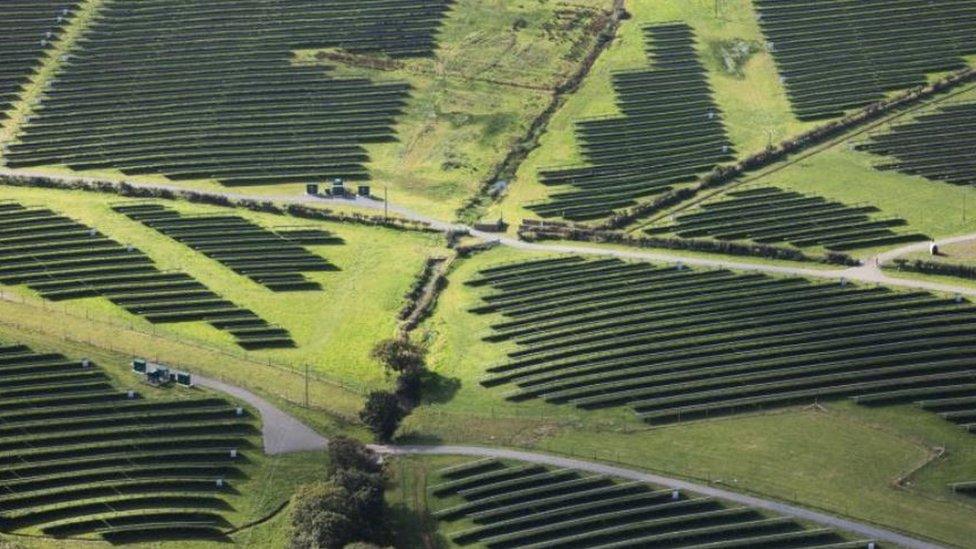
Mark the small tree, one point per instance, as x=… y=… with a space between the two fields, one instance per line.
x=399 y=355
x=382 y=414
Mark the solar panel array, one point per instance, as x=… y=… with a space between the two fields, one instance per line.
x=670 y=131
x=61 y=258
x=206 y=89
x=82 y=458
x=939 y=145
x=835 y=55
x=772 y=215
x=28 y=28
x=275 y=259
x=675 y=343
x=524 y=505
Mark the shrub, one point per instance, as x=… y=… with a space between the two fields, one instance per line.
x=940 y=269
x=399 y=355
x=349 y=453
x=409 y=388
x=348 y=507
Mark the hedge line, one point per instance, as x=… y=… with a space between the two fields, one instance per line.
x=416 y=290
x=722 y=175
x=531 y=232
x=933 y=268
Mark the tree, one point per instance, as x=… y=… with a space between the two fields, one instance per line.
x=348 y=507
x=382 y=414
x=366 y=506
x=349 y=453
x=399 y=355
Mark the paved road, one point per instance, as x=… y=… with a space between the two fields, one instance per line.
x=284 y=434
x=869 y=273
x=888 y=256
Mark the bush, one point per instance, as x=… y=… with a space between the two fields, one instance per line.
x=399 y=355
x=349 y=453
x=365 y=495
x=409 y=388
x=939 y=269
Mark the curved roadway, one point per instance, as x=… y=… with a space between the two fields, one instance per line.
x=284 y=433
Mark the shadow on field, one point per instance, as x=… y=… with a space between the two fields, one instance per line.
x=439 y=389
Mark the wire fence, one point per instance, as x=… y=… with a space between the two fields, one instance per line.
x=300 y=369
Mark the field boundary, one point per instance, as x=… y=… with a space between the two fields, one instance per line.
x=517 y=153
x=803 y=146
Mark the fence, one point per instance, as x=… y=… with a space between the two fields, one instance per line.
x=291 y=368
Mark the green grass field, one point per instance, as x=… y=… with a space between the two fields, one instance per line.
x=495 y=70
x=753 y=103
x=840 y=457
x=333 y=329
